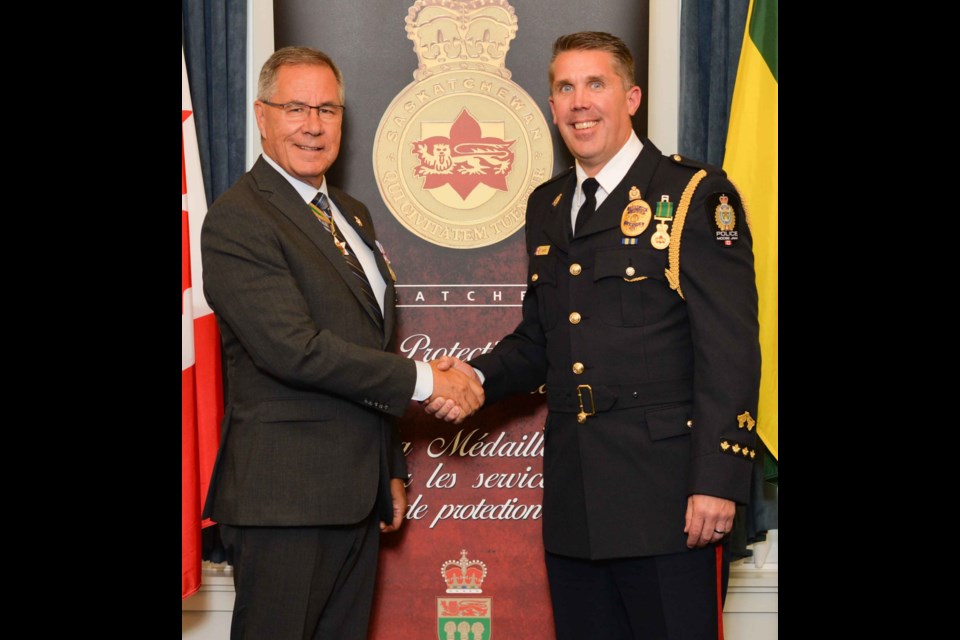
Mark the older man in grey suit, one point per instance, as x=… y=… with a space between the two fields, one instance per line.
x=308 y=466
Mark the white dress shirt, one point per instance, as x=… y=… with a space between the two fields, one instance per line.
x=608 y=177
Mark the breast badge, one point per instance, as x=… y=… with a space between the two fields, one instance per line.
x=459 y=150
x=636 y=216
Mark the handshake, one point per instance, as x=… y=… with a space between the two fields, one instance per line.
x=457 y=392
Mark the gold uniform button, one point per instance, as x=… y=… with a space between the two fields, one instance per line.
x=534 y=277
x=631 y=271
x=689 y=424
x=575 y=269
x=574 y=318
x=578 y=368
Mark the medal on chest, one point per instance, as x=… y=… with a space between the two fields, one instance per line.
x=386 y=260
x=661 y=238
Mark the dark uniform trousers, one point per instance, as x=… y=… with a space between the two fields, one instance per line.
x=668 y=597
x=651 y=359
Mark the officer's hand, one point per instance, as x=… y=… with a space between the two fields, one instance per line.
x=708 y=519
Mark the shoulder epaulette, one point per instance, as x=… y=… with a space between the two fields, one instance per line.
x=554 y=183
x=563 y=174
x=696 y=164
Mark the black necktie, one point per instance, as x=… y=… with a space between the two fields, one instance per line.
x=321 y=209
x=589 y=186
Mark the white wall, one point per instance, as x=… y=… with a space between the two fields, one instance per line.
x=662 y=94
x=259 y=47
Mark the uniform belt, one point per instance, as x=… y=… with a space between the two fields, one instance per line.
x=600 y=398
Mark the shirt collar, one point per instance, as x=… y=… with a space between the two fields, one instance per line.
x=617 y=167
x=307 y=192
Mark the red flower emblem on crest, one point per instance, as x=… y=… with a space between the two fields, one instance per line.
x=464 y=160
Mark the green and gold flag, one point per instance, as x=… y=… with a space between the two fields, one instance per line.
x=751 y=161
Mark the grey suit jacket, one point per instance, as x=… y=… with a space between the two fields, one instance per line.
x=308 y=381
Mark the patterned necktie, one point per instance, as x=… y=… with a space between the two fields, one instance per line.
x=589 y=186
x=320 y=206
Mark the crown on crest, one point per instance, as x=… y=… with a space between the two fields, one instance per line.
x=454 y=35
x=463 y=576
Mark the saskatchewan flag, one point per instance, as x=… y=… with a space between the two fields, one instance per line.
x=751 y=161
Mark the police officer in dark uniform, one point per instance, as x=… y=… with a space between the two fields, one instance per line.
x=641 y=317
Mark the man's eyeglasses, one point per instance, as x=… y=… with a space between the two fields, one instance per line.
x=298 y=112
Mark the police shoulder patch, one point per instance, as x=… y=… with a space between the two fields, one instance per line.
x=724 y=212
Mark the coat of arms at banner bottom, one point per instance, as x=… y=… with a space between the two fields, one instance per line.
x=462 y=615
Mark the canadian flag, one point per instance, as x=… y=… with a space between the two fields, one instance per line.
x=202 y=391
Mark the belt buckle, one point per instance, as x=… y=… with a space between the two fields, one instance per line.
x=582 y=416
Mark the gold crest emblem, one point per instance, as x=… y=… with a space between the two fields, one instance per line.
x=459 y=150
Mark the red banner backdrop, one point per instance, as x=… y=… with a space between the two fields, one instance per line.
x=474 y=488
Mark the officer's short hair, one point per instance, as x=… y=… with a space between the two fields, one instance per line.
x=597 y=41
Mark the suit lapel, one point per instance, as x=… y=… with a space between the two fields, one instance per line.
x=639 y=176
x=283 y=196
x=364 y=228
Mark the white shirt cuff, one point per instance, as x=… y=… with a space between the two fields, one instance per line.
x=424 y=387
